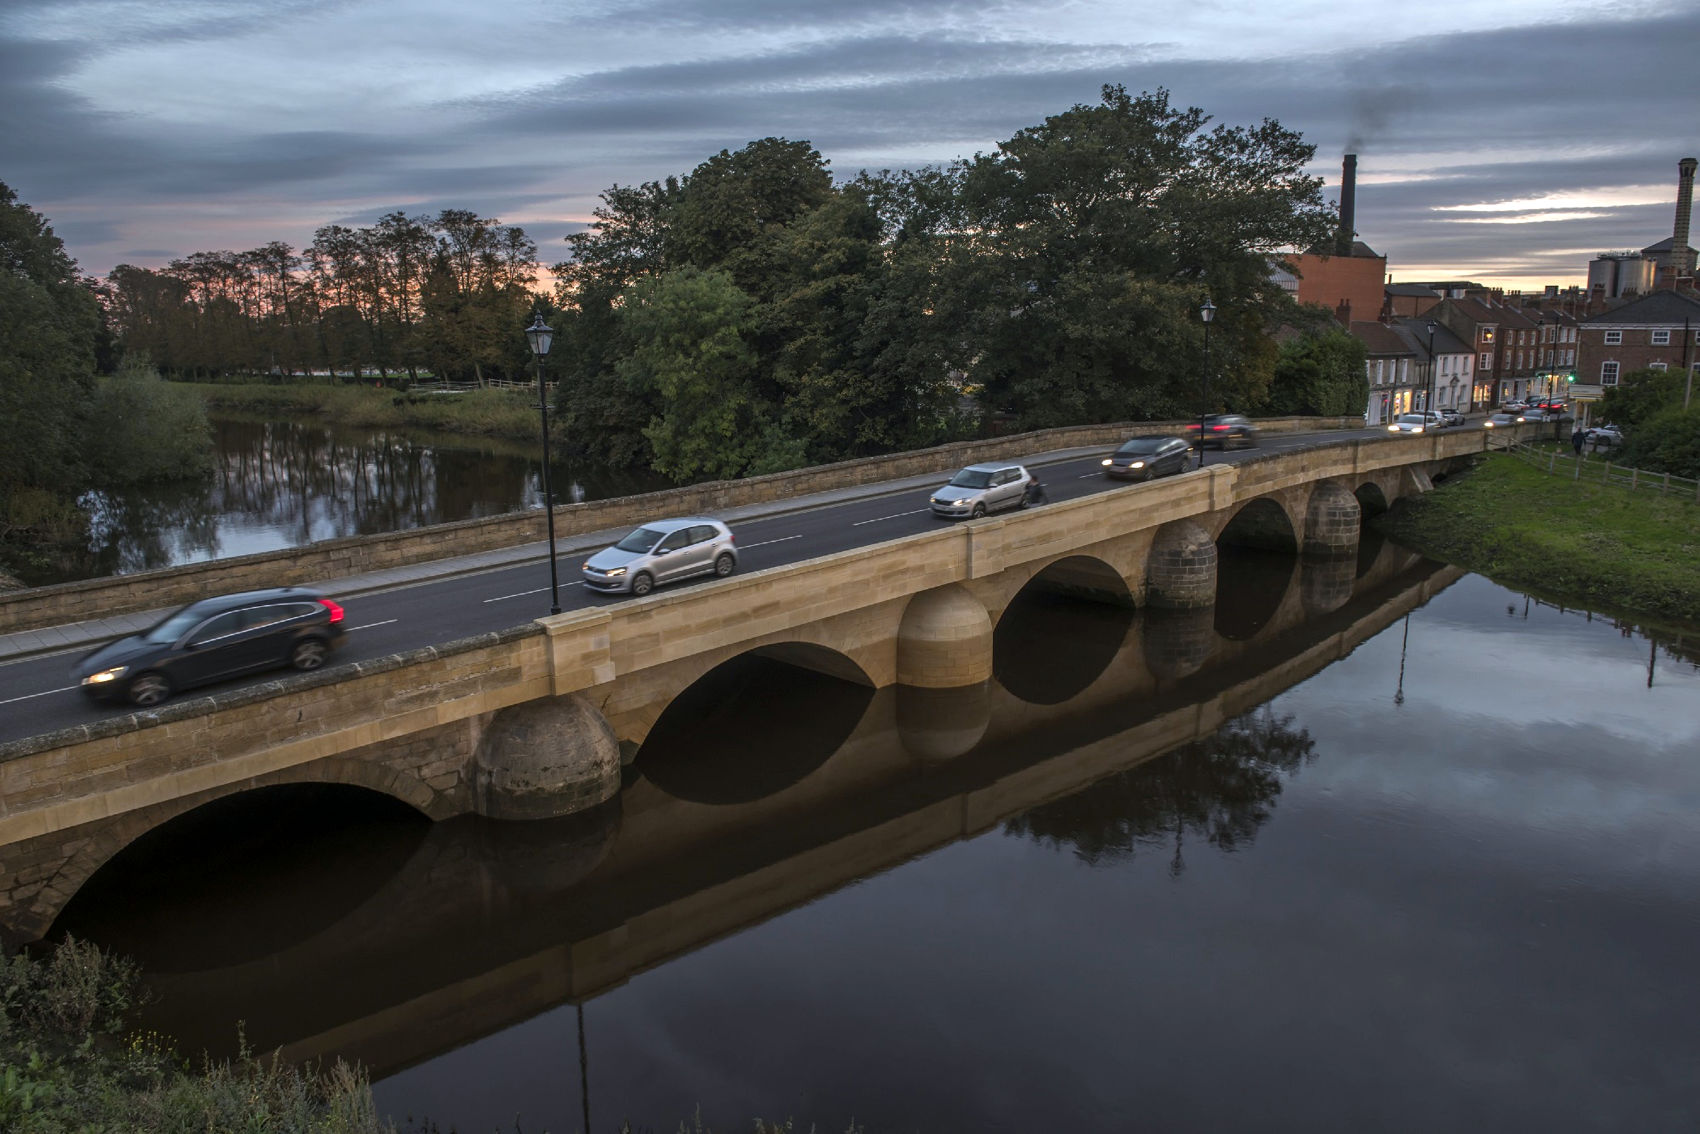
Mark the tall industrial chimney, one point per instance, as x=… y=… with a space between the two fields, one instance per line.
x=1349 y=205
x=1681 y=256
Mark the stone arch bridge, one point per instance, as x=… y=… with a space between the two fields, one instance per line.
x=534 y=721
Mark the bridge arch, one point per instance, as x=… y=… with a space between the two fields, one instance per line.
x=1263 y=524
x=1062 y=630
x=1372 y=499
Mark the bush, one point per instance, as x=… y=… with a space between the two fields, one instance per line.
x=1668 y=442
x=143 y=428
x=68 y=1062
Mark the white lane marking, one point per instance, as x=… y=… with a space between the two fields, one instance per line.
x=29 y=696
x=538 y=591
x=766 y=543
x=369 y=625
x=1088 y=476
x=893 y=516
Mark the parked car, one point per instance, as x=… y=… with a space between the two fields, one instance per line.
x=979 y=489
x=1225 y=431
x=214 y=639
x=1514 y=407
x=1451 y=417
x=1414 y=423
x=663 y=551
x=1604 y=436
x=1501 y=420
x=1145 y=458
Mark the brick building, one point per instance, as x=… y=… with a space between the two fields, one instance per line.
x=1661 y=331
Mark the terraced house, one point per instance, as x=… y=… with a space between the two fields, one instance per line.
x=1660 y=331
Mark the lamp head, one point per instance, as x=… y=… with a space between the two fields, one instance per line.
x=1208 y=311
x=539 y=333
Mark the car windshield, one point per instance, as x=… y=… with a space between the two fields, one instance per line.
x=972 y=478
x=641 y=540
x=1140 y=446
x=1412 y=418
x=174 y=626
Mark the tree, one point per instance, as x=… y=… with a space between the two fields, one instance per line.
x=1103 y=228
x=1640 y=396
x=1667 y=442
x=49 y=325
x=1320 y=373
x=686 y=333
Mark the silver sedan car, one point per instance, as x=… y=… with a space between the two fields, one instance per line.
x=662 y=552
x=978 y=489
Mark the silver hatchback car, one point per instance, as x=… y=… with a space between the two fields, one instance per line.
x=978 y=489
x=662 y=552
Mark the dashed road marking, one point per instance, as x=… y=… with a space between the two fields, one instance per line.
x=893 y=516
x=30 y=696
x=369 y=625
x=538 y=591
x=766 y=542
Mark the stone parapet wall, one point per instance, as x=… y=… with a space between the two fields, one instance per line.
x=63 y=779
x=65 y=603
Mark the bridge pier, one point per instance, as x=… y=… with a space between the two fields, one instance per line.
x=1333 y=519
x=1181 y=570
x=545 y=758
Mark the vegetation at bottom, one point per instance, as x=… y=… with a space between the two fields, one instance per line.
x=1587 y=543
x=69 y=1062
x=486 y=413
x=72 y=1063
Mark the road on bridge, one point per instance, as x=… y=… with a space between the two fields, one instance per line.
x=38 y=693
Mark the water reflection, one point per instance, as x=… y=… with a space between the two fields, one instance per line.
x=1221 y=788
x=282 y=484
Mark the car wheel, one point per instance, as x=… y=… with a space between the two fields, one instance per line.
x=309 y=653
x=979 y=510
x=149 y=689
x=642 y=584
x=724 y=564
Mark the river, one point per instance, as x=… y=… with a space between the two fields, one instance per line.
x=278 y=484
x=1424 y=856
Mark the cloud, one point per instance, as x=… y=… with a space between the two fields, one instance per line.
x=152 y=115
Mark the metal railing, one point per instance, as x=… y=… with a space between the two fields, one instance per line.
x=1551 y=458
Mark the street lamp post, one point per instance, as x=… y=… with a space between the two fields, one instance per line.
x=1208 y=314
x=539 y=334
x=1433 y=366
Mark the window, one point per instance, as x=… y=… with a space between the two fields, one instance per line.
x=702 y=533
x=674 y=542
x=1486 y=361
x=1656 y=366
x=1608 y=373
x=1661 y=337
x=218 y=627
x=1614 y=338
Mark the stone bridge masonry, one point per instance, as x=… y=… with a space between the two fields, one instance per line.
x=533 y=721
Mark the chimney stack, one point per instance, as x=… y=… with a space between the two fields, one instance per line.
x=1683 y=259
x=1349 y=205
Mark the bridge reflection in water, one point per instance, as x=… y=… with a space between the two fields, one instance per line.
x=391 y=939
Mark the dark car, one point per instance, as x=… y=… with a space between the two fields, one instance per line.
x=1143 y=458
x=1225 y=431
x=213 y=639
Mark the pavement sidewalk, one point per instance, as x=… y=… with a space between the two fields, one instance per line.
x=83 y=635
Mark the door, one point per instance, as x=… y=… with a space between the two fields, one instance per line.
x=216 y=648
x=671 y=555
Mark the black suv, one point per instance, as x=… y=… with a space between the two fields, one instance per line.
x=214 y=639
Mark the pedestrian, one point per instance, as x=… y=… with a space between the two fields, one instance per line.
x=1576 y=439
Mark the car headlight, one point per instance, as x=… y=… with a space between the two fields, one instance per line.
x=614 y=572
x=106 y=675
x=1392 y=429
x=1137 y=465
x=1107 y=462
x=1487 y=425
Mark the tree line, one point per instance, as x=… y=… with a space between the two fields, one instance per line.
x=439 y=294
x=754 y=314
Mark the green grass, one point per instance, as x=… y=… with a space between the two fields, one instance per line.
x=1587 y=544
x=487 y=413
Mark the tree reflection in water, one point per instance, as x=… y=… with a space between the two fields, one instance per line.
x=1222 y=788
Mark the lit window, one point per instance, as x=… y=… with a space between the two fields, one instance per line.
x=1608 y=373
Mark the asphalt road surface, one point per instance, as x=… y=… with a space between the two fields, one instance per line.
x=38 y=693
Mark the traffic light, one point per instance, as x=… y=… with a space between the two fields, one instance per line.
x=1571 y=377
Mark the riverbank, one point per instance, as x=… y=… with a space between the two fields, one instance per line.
x=508 y=414
x=1583 y=544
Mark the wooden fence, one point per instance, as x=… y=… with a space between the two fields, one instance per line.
x=1553 y=459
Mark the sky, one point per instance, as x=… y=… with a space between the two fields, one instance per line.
x=1506 y=143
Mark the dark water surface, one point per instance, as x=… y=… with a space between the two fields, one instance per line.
x=1373 y=847
x=283 y=484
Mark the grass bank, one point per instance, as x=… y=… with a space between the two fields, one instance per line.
x=487 y=413
x=1585 y=544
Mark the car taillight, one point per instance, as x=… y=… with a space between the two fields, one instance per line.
x=335 y=610
x=1218 y=429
